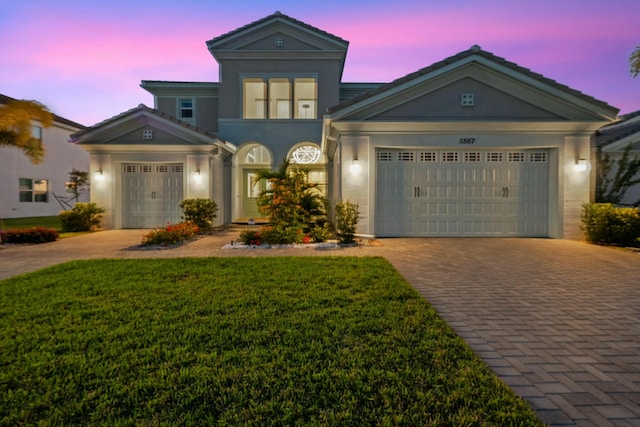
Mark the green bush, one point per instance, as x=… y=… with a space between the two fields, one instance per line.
x=82 y=217
x=172 y=234
x=346 y=221
x=29 y=235
x=201 y=212
x=294 y=205
x=605 y=224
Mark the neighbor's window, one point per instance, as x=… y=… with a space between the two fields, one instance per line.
x=34 y=190
x=279 y=98
x=36 y=132
x=186 y=109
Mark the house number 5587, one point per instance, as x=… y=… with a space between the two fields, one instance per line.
x=467 y=141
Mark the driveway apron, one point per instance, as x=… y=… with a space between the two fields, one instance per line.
x=556 y=320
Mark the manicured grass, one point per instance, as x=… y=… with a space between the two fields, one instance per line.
x=251 y=341
x=36 y=221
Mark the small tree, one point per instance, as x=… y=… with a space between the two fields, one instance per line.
x=199 y=211
x=346 y=221
x=611 y=189
x=293 y=204
x=78 y=183
x=634 y=62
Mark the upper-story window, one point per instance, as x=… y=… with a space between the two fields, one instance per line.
x=279 y=98
x=36 y=132
x=185 y=109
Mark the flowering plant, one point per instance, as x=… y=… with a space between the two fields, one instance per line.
x=171 y=234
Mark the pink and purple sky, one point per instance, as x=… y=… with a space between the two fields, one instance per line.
x=85 y=59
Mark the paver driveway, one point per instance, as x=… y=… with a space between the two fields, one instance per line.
x=557 y=320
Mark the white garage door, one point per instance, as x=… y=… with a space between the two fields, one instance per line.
x=462 y=193
x=150 y=194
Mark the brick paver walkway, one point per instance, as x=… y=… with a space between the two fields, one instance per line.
x=557 y=320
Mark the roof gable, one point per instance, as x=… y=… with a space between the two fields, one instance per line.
x=533 y=95
x=126 y=129
x=277 y=34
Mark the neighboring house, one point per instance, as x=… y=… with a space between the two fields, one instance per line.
x=614 y=139
x=29 y=190
x=473 y=145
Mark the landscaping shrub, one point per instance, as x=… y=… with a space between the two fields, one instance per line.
x=346 y=221
x=172 y=234
x=30 y=235
x=251 y=237
x=294 y=206
x=201 y=212
x=82 y=217
x=605 y=224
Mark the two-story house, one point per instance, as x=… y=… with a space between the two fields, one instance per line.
x=473 y=145
x=33 y=190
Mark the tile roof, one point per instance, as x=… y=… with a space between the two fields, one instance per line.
x=474 y=50
x=629 y=124
x=5 y=99
x=76 y=136
x=276 y=15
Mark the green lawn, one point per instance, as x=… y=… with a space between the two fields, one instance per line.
x=251 y=341
x=36 y=221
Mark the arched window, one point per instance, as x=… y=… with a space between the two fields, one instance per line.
x=258 y=155
x=306 y=155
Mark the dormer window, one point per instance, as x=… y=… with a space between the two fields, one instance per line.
x=185 y=109
x=279 y=98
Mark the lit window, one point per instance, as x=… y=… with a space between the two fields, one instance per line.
x=186 y=109
x=306 y=98
x=281 y=104
x=255 y=97
x=279 y=99
x=305 y=155
x=258 y=154
x=34 y=190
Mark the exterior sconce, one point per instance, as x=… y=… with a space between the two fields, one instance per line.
x=355 y=166
x=581 y=165
x=99 y=176
x=196 y=176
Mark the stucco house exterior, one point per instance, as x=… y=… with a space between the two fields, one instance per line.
x=30 y=190
x=614 y=138
x=473 y=145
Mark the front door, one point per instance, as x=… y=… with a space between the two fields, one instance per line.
x=252 y=187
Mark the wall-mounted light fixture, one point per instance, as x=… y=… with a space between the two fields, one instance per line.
x=99 y=176
x=581 y=165
x=355 y=166
x=197 y=176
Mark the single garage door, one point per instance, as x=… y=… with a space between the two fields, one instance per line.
x=151 y=194
x=462 y=193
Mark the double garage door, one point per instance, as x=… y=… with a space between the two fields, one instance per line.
x=462 y=193
x=151 y=194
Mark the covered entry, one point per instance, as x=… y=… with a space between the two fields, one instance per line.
x=151 y=194
x=446 y=192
